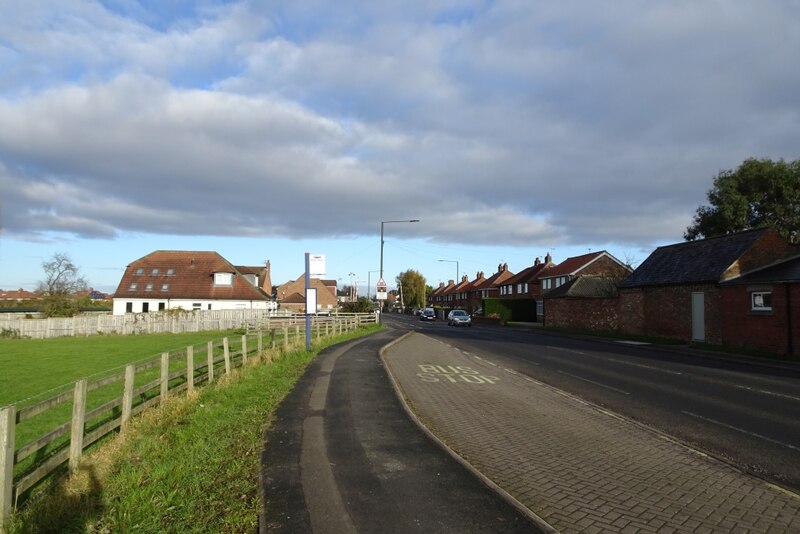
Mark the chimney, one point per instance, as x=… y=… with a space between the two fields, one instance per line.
x=505 y=267
x=537 y=262
x=464 y=278
x=548 y=258
x=266 y=284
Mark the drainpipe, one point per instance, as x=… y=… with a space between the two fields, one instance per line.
x=789 y=340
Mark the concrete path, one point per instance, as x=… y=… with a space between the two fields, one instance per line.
x=576 y=466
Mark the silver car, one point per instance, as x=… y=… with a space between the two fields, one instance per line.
x=459 y=318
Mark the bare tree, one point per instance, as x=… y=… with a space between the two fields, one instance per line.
x=61 y=286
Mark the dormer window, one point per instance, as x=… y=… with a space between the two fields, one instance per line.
x=148 y=287
x=170 y=272
x=140 y=271
x=133 y=287
x=223 y=279
x=154 y=272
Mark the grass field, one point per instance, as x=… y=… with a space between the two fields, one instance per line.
x=190 y=465
x=33 y=367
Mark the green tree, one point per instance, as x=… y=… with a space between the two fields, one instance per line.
x=413 y=284
x=362 y=305
x=759 y=193
x=60 y=286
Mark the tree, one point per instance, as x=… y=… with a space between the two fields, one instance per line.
x=759 y=193
x=60 y=287
x=413 y=284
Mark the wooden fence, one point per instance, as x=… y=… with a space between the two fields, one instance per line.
x=102 y=406
x=170 y=321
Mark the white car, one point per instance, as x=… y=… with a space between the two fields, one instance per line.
x=459 y=318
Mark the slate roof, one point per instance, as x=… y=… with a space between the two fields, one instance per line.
x=787 y=270
x=693 y=262
x=187 y=275
x=586 y=287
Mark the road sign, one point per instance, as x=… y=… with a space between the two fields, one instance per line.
x=380 y=289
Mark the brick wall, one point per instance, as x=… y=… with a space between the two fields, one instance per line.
x=769 y=248
x=667 y=312
x=757 y=330
x=599 y=314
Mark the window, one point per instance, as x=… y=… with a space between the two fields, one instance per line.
x=154 y=272
x=148 y=287
x=162 y=306
x=761 y=300
x=145 y=307
x=546 y=283
x=170 y=272
x=223 y=279
x=140 y=271
x=165 y=287
x=133 y=287
x=129 y=307
x=539 y=308
x=196 y=305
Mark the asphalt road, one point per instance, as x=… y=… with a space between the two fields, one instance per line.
x=343 y=456
x=737 y=410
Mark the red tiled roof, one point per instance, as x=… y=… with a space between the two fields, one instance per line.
x=496 y=279
x=573 y=264
x=530 y=274
x=186 y=275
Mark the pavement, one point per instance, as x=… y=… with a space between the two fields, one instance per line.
x=399 y=434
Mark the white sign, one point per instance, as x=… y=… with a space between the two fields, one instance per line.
x=380 y=289
x=316 y=265
x=311 y=300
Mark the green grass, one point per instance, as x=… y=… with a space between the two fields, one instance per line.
x=190 y=465
x=34 y=367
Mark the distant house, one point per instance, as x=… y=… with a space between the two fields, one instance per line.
x=527 y=285
x=17 y=295
x=191 y=280
x=587 y=302
x=595 y=263
x=291 y=295
x=675 y=292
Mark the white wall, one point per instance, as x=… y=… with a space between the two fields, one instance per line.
x=120 y=304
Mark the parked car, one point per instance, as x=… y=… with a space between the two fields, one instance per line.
x=427 y=314
x=459 y=318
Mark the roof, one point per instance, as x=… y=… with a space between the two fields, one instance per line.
x=586 y=287
x=692 y=262
x=185 y=275
x=529 y=274
x=496 y=279
x=787 y=270
x=572 y=265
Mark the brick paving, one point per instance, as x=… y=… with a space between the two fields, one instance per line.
x=576 y=466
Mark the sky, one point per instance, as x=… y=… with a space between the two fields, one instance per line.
x=263 y=130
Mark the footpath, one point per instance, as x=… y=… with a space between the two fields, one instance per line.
x=575 y=466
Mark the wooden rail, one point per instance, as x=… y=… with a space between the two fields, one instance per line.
x=66 y=441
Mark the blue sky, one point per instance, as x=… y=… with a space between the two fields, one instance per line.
x=264 y=130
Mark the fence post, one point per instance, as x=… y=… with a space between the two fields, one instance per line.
x=8 y=422
x=164 y=375
x=210 y=351
x=260 y=344
x=227 y=352
x=189 y=369
x=244 y=349
x=127 y=394
x=78 y=420
x=285 y=339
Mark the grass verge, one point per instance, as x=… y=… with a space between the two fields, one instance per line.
x=190 y=465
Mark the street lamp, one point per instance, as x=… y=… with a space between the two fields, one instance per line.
x=387 y=222
x=456 y=262
x=369 y=284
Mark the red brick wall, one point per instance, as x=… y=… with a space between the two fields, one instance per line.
x=764 y=331
x=667 y=312
x=599 y=314
x=768 y=249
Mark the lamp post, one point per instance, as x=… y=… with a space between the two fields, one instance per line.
x=457 y=272
x=369 y=284
x=387 y=222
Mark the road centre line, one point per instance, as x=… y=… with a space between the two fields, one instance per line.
x=567 y=350
x=743 y=431
x=645 y=366
x=767 y=392
x=595 y=383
